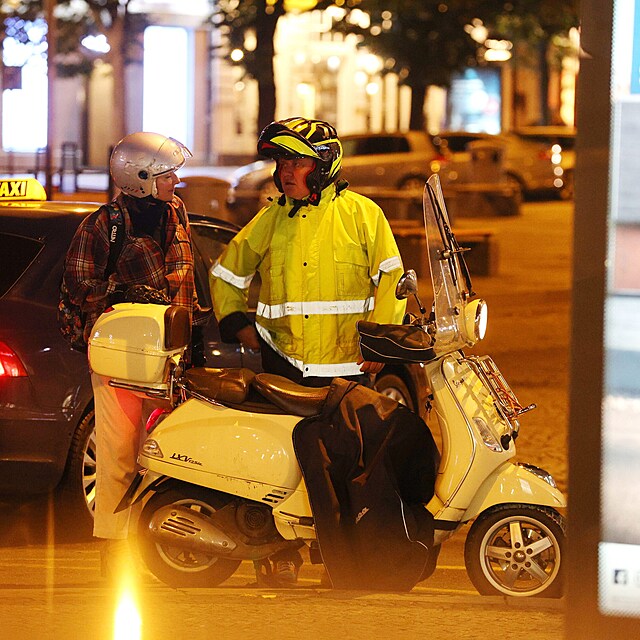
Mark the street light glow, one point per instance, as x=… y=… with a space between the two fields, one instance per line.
x=97 y=43
x=128 y=624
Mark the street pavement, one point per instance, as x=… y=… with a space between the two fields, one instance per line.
x=53 y=590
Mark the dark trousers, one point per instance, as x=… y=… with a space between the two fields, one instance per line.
x=273 y=362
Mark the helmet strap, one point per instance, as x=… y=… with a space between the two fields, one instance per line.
x=341 y=185
x=297 y=205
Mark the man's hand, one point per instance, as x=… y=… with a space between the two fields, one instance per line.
x=370 y=367
x=248 y=337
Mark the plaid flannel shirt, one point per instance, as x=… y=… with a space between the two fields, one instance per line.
x=141 y=261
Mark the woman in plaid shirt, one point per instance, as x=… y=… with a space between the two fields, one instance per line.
x=154 y=264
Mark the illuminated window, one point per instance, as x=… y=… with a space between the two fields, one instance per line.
x=167 y=103
x=24 y=109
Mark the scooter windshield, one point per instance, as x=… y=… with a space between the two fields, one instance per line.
x=449 y=273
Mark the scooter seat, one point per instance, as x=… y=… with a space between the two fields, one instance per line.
x=289 y=396
x=223 y=385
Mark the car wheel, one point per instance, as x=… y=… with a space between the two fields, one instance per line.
x=393 y=386
x=76 y=492
x=514 y=181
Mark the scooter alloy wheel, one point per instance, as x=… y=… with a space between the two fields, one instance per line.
x=176 y=566
x=516 y=550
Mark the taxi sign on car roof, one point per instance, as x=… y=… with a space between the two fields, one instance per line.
x=21 y=189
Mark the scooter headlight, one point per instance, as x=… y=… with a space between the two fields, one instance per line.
x=475 y=321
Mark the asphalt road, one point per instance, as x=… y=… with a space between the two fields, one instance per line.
x=53 y=590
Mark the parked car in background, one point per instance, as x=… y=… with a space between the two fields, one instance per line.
x=385 y=160
x=560 y=143
x=539 y=159
x=47 y=439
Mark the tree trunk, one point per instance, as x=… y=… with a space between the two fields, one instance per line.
x=417 y=120
x=265 y=49
x=116 y=58
x=544 y=81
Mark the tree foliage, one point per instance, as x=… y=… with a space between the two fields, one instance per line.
x=241 y=22
x=426 y=42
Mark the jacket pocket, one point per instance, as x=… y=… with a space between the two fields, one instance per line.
x=273 y=288
x=352 y=273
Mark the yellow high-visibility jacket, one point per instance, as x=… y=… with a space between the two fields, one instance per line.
x=321 y=271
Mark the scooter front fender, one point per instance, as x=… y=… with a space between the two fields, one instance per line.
x=514 y=483
x=141 y=485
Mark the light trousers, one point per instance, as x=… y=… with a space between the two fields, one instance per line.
x=120 y=431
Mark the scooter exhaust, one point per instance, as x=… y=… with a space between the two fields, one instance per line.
x=182 y=527
x=177 y=526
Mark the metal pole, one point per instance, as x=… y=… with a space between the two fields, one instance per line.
x=51 y=76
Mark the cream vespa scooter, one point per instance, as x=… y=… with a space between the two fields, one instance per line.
x=220 y=477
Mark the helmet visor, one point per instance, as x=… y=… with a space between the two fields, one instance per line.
x=172 y=154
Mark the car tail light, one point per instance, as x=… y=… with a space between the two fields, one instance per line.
x=10 y=365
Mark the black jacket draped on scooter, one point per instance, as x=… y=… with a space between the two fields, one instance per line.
x=369 y=465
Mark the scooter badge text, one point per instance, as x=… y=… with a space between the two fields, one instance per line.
x=184 y=458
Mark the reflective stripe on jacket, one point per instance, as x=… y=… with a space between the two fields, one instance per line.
x=321 y=271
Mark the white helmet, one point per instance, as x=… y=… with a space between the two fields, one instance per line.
x=139 y=158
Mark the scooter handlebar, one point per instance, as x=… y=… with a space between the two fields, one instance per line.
x=395 y=343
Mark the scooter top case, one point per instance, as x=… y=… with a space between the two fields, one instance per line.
x=133 y=344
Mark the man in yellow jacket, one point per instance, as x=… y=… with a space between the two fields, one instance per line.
x=326 y=257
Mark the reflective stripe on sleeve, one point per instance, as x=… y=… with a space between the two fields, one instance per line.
x=390 y=264
x=241 y=282
x=322 y=307
x=386 y=266
x=321 y=370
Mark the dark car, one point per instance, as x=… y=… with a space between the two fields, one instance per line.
x=46 y=403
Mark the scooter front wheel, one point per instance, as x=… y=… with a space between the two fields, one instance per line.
x=174 y=565
x=516 y=550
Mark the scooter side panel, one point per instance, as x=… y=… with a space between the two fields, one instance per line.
x=460 y=399
x=237 y=452
x=511 y=483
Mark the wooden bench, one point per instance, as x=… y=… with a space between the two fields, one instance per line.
x=482 y=259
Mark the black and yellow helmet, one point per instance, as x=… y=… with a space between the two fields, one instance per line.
x=302 y=138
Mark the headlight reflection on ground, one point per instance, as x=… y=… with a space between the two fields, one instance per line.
x=127 y=624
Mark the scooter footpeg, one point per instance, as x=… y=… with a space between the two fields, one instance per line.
x=223 y=385
x=289 y=396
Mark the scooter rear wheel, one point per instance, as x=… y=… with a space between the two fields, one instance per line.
x=176 y=566
x=517 y=550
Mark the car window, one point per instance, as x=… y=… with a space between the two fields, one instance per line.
x=17 y=253
x=210 y=242
x=565 y=141
x=367 y=146
x=456 y=144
